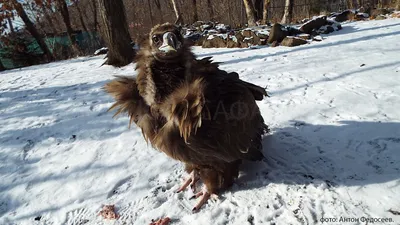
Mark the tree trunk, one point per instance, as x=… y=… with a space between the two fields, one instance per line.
x=151 y=13
x=211 y=10
x=48 y=18
x=265 y=11
x=158 y=5
x=179 y=19
x=63 y=8
x=195 y=14
x=81 y=17
x=250 y=12
x=2 y=67
x=115 y=32
x=10 y=24
x=398 y=5
x=358 y=4
x=258 y=5
x=287 y=16
x=95 y=23
x=229 y=13
x=32 y=30
x=350 y=4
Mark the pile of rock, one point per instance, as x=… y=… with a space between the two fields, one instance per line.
x=216 y=35
x=363 y=14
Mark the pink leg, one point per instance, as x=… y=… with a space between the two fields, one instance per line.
x=192 y=180
x=205 y=195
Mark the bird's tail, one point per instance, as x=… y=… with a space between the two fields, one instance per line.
x=127 y=99
x=258 y=92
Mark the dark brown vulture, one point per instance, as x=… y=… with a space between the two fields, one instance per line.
x=192 y=111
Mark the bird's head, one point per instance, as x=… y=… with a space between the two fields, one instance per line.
x=166 y=42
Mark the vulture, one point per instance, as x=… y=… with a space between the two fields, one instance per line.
x=192 y=111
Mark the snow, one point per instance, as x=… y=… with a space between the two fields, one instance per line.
x=99 y=50
x=264 y=32
x=333 y=150
x=212 y=36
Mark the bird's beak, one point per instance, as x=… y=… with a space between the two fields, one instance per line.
x=169 y=43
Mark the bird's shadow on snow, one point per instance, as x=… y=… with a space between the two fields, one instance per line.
x=351 y=153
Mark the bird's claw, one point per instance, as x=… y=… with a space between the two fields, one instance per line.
x=204 y=196
x=192 y=180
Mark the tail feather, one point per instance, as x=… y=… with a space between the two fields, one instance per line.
x=127 y=99
x=258 y=92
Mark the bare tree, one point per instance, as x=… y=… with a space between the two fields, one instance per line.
x=30 y=27
x=95 y=22
x=195 y=14
x=150 y=12
x=177 y=11
x=2 y=67
x=210 y=9
x=250 y=12
x=288 y=15
x=265 y=11
x=350 y=4
x=78 y=8
x=258 y=6
x=359 y=3
x=158 y=5
x=10 y=24
x=45 y=10
x=115 y=32
x=63 y=8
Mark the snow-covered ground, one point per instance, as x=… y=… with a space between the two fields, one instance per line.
x=334 y=149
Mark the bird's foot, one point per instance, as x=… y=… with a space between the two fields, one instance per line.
x=192 y=180
x=204 y=197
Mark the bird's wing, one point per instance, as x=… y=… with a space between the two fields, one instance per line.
x=127 y=100
x=232 y=125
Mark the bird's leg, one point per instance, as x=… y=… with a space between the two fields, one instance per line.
x=192 y=180
x=204 y=196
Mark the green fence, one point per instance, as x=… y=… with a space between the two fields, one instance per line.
x=84 y=40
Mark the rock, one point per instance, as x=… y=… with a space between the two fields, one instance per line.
x=329 y=27
x=214 y=42
x=313 y=24
x=274 y=44
x=198 y=23
x=376 y=12
x=395 y=15
x=293 y=41
x=304 y=36
x=293 y=31
x=262 y=35
x=277 y=33
x=239 y=37
x=343 y=16
x=200 y=41
x=361 y=16
x=222 y=28
x=248 y=33
x=232 y=42
x=380 y=17
x=252 y=40
x=101 y=51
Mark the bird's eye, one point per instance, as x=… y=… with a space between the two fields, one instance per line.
x=156 y=39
